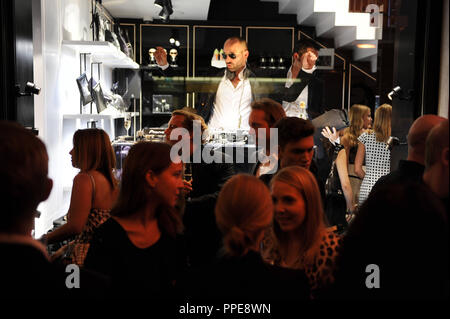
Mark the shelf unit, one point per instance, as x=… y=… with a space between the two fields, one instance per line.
x=97 y=116
x=103 y=51
x=108 y=55
x=106 y=121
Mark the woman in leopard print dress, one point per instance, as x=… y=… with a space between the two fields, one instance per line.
x=299 y=238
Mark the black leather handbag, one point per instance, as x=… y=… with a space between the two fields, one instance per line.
x=112 y=37
x=333 y=183
x=122 y=43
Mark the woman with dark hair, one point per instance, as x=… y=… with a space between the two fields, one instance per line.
x=94 y=192
x=136 y=247
x=244 y=211
x=299 y=237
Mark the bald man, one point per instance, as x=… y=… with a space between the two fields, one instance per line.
x=231 y=107
x=225 y=103
x=436 y=173
x=411 y=169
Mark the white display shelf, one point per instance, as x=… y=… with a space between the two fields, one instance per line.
x=103 y=51
x=73 y=122
x=97 y=116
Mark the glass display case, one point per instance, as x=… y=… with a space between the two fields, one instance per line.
x=193 y=55
x=207 y=42
x=271 y=58
x=160 y=94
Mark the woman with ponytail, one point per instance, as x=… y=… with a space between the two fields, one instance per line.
x=244 y=212
x=373 y=149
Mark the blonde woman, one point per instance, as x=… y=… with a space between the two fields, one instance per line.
x=372 y=148
x=94 y=192
x=244 y=211
x=300 y=239
x=360 y=121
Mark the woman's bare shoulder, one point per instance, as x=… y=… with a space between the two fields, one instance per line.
x=82 y=177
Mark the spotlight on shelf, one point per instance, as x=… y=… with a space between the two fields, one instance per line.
x=167 y=9
x=397 y=92
x=30 y=89
x=177 y=43
x=172 y=40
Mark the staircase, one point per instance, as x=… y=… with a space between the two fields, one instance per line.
x=332 y=19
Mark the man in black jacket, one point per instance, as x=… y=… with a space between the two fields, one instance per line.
x=304 y=88
x=225 y=102
x=202 y=235
x=436 y=174
x=25 y=270
x=411 y=169
x=264 y=115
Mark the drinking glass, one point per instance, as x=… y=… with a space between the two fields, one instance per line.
x=127 y=122
x=188 y=172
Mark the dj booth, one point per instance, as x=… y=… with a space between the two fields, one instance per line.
x=242 y=156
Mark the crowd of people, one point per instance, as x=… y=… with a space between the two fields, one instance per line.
x=281 y=232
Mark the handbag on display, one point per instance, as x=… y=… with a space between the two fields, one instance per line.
x=102 y=28
x=130 y=52
x=112 y=37
x=99 y=98
x=121 y=39
x=96 y=25
x=84 y=88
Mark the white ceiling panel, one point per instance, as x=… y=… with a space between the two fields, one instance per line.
x=145 y=9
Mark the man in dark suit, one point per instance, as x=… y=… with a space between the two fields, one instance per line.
x=25 y=268
x=264 y=115
x=411 y=169
x=436 y=174
x=304 y=89
x=202 y=235
x=225 y=102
